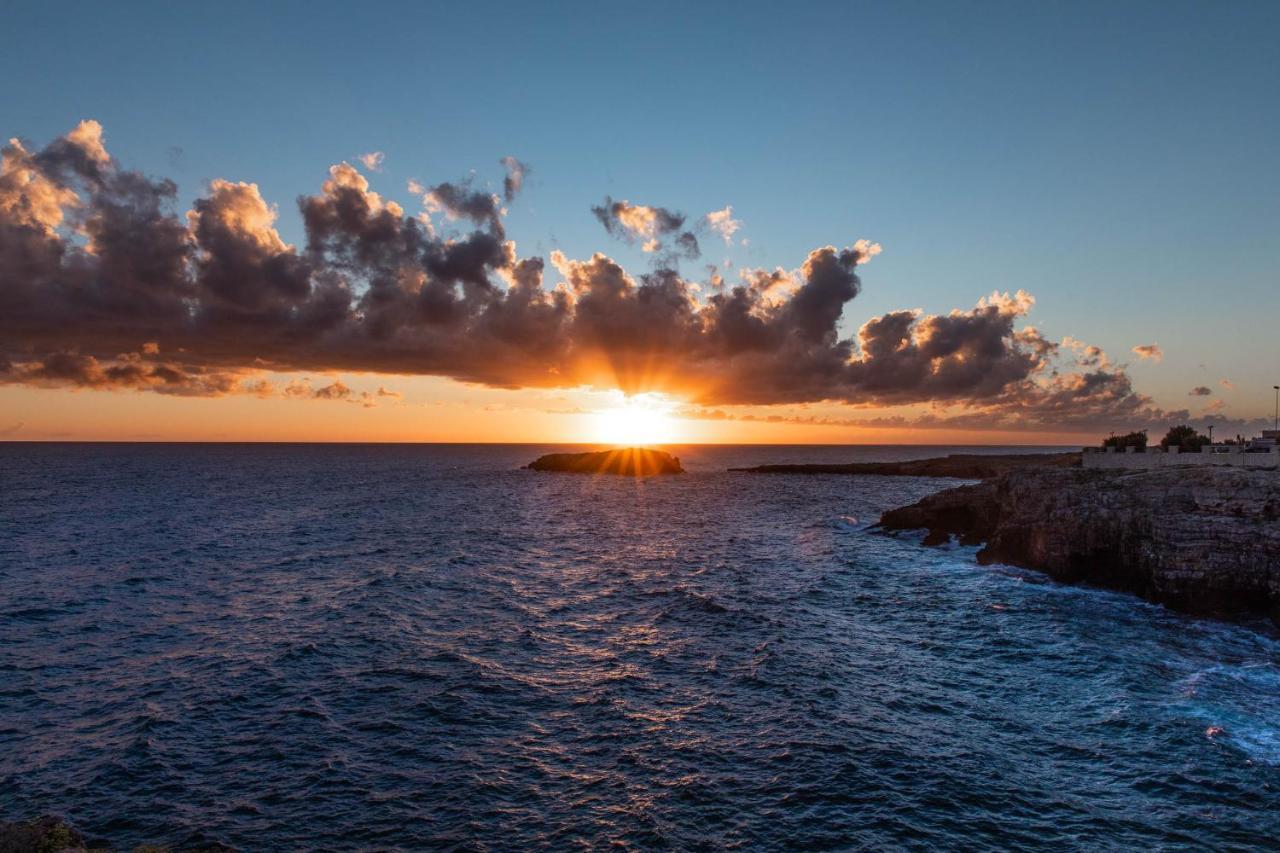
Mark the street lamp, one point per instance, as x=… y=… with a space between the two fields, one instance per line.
x=1277 y=387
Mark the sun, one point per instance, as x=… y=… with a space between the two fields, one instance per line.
x=643 y=419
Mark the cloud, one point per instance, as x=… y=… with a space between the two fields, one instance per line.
x=12 y=429
x=373 y=160
x=337 y=390
x=1150 y=352
x=660 y=230
x=86 y=137
x=1228 y=425
x=1200 y=391
x=28 y=197
x=333 y=391
x=458 y=201
x=723 y=223
x=103 y=284
x=127 y=371
x=1098 y=415
x=1228 y=384
x=1086 y=355
x=514 y=181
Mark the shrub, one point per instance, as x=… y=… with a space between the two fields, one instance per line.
x=1133 y=439
x=1185 y=437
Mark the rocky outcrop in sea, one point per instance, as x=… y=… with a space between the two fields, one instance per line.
x=44 y=834
x=629 y=461
x=1203 y=540
x=52 y=834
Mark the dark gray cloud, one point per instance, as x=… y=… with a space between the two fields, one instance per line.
x=514 y=181
x=128 y=371
x=659 y=230
x=1200 y=391
x=103 y=284
x=460 y=201
x=1098 y=400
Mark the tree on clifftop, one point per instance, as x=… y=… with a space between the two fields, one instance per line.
x=1185 y=437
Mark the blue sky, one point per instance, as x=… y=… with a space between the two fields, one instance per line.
x=1119 y=161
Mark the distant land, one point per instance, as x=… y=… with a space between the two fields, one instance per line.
x=964 y=466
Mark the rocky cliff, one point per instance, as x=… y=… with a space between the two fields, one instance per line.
x=1205 y=540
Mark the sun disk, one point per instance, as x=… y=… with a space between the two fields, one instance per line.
x=644 y=419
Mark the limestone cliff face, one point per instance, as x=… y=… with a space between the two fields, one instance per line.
x=1206 y=540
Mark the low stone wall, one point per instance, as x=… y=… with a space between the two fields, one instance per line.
x=1155 y=457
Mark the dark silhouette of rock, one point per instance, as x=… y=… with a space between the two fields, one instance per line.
x=631 y=461
x=45 y=834
x=50 y=834
x=1202 y=540
x=963 y=466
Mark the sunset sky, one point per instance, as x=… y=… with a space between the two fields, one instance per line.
x=812 y=223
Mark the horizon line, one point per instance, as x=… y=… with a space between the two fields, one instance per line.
x=519 y=443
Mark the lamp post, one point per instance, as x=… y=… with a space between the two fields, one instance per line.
x=1277 y=387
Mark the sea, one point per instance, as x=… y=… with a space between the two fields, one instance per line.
x=408 y=647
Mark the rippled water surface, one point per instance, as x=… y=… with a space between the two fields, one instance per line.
x=293 y=647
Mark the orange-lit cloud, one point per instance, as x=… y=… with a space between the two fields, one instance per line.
x=86 y=137
x=657 y=228
x=29 y=198
x=104 y=285
x=723 y=223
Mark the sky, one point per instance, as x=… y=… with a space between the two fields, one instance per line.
x=1116 y=164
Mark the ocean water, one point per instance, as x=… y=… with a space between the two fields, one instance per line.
x=406 y=647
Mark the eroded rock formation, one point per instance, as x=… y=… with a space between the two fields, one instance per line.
x=1204 y=540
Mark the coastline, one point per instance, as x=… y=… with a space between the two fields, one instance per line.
x=1200 y=540
x=961 y=466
